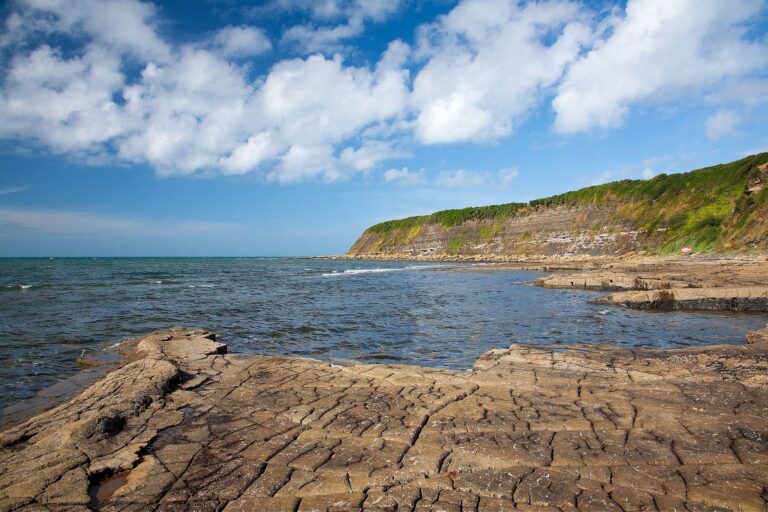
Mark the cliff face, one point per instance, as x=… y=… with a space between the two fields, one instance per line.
x=720 y=208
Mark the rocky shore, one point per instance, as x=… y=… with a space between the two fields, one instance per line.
x=716 y=284
x=185 y=426
x=709 y=283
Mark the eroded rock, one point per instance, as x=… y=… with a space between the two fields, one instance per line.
x=719 y=299
x=760 y=336
x=610 y=281
x=530 y=428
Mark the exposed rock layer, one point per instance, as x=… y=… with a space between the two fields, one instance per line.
x=714 y=299
x=610 y=281
x=187 y=427
x=720 y=208
x=560 y=231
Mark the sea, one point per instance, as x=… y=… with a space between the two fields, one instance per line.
x=56 y=310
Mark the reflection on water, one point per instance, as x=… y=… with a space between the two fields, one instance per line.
x=55 y=310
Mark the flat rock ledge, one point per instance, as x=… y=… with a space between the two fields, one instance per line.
x=185 y=426
x=753 y=299
x=610 y=281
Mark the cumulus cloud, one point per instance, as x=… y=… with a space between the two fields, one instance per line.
x=66 y=103
x=199 y=111
x=488 y=63
x=329 y=10
x=121 y=25
x=97 y=80
x=329 y=36
x=368 y=155
x=722 y=124
x=404 y=177
x=658 y=49
x=242 y=41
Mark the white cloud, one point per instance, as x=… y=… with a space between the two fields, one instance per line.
x=121 y=25
x=649 y=173
x=309 y=38
x=243 y=41
x=460 y=178
x=659 y=49
x=199 y=111
x=250 y=155
x=508 y=175
x=489 y=63
x=328 y=10
x=404 y=177
x=81 y=80
x=12 y=190
x=302 y=162
x=722 y=124
x=64 y=103
x=368 y=155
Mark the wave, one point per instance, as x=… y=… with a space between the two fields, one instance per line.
x=18 y=286
x=355 y=271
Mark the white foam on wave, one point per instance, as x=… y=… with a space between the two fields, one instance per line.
x=355 y=271
x=200 y=285
x=25 y=286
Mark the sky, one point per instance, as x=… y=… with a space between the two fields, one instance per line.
x=286 y=127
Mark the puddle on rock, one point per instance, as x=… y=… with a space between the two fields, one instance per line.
x=105 y=488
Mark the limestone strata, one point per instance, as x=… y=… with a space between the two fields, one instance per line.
x=188 y=427
x=720 y=299
x=610 y=281
x=563 y=231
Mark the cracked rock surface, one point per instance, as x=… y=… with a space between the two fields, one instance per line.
x=185 y=426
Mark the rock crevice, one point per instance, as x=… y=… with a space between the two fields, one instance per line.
x=188 y=427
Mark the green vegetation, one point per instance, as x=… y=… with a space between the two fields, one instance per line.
x=489 y=231
x=450 y=218
x=709 y=209
x=456 y=245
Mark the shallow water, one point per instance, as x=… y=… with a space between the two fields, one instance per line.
x=55 y=310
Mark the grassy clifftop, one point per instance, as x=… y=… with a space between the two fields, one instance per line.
x=718 y=208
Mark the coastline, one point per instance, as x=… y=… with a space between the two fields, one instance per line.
x=185 y=425
x=182 y=424
x=588 y=273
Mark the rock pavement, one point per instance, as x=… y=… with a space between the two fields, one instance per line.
x=185 y=426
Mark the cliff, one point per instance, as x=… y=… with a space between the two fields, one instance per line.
x=716 y=209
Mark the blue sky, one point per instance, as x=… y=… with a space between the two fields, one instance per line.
x=285 y=128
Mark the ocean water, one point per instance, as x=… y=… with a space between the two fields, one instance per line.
x=53 y=311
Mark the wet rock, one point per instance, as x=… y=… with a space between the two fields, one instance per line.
x=188 y=427
x=716 y=299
